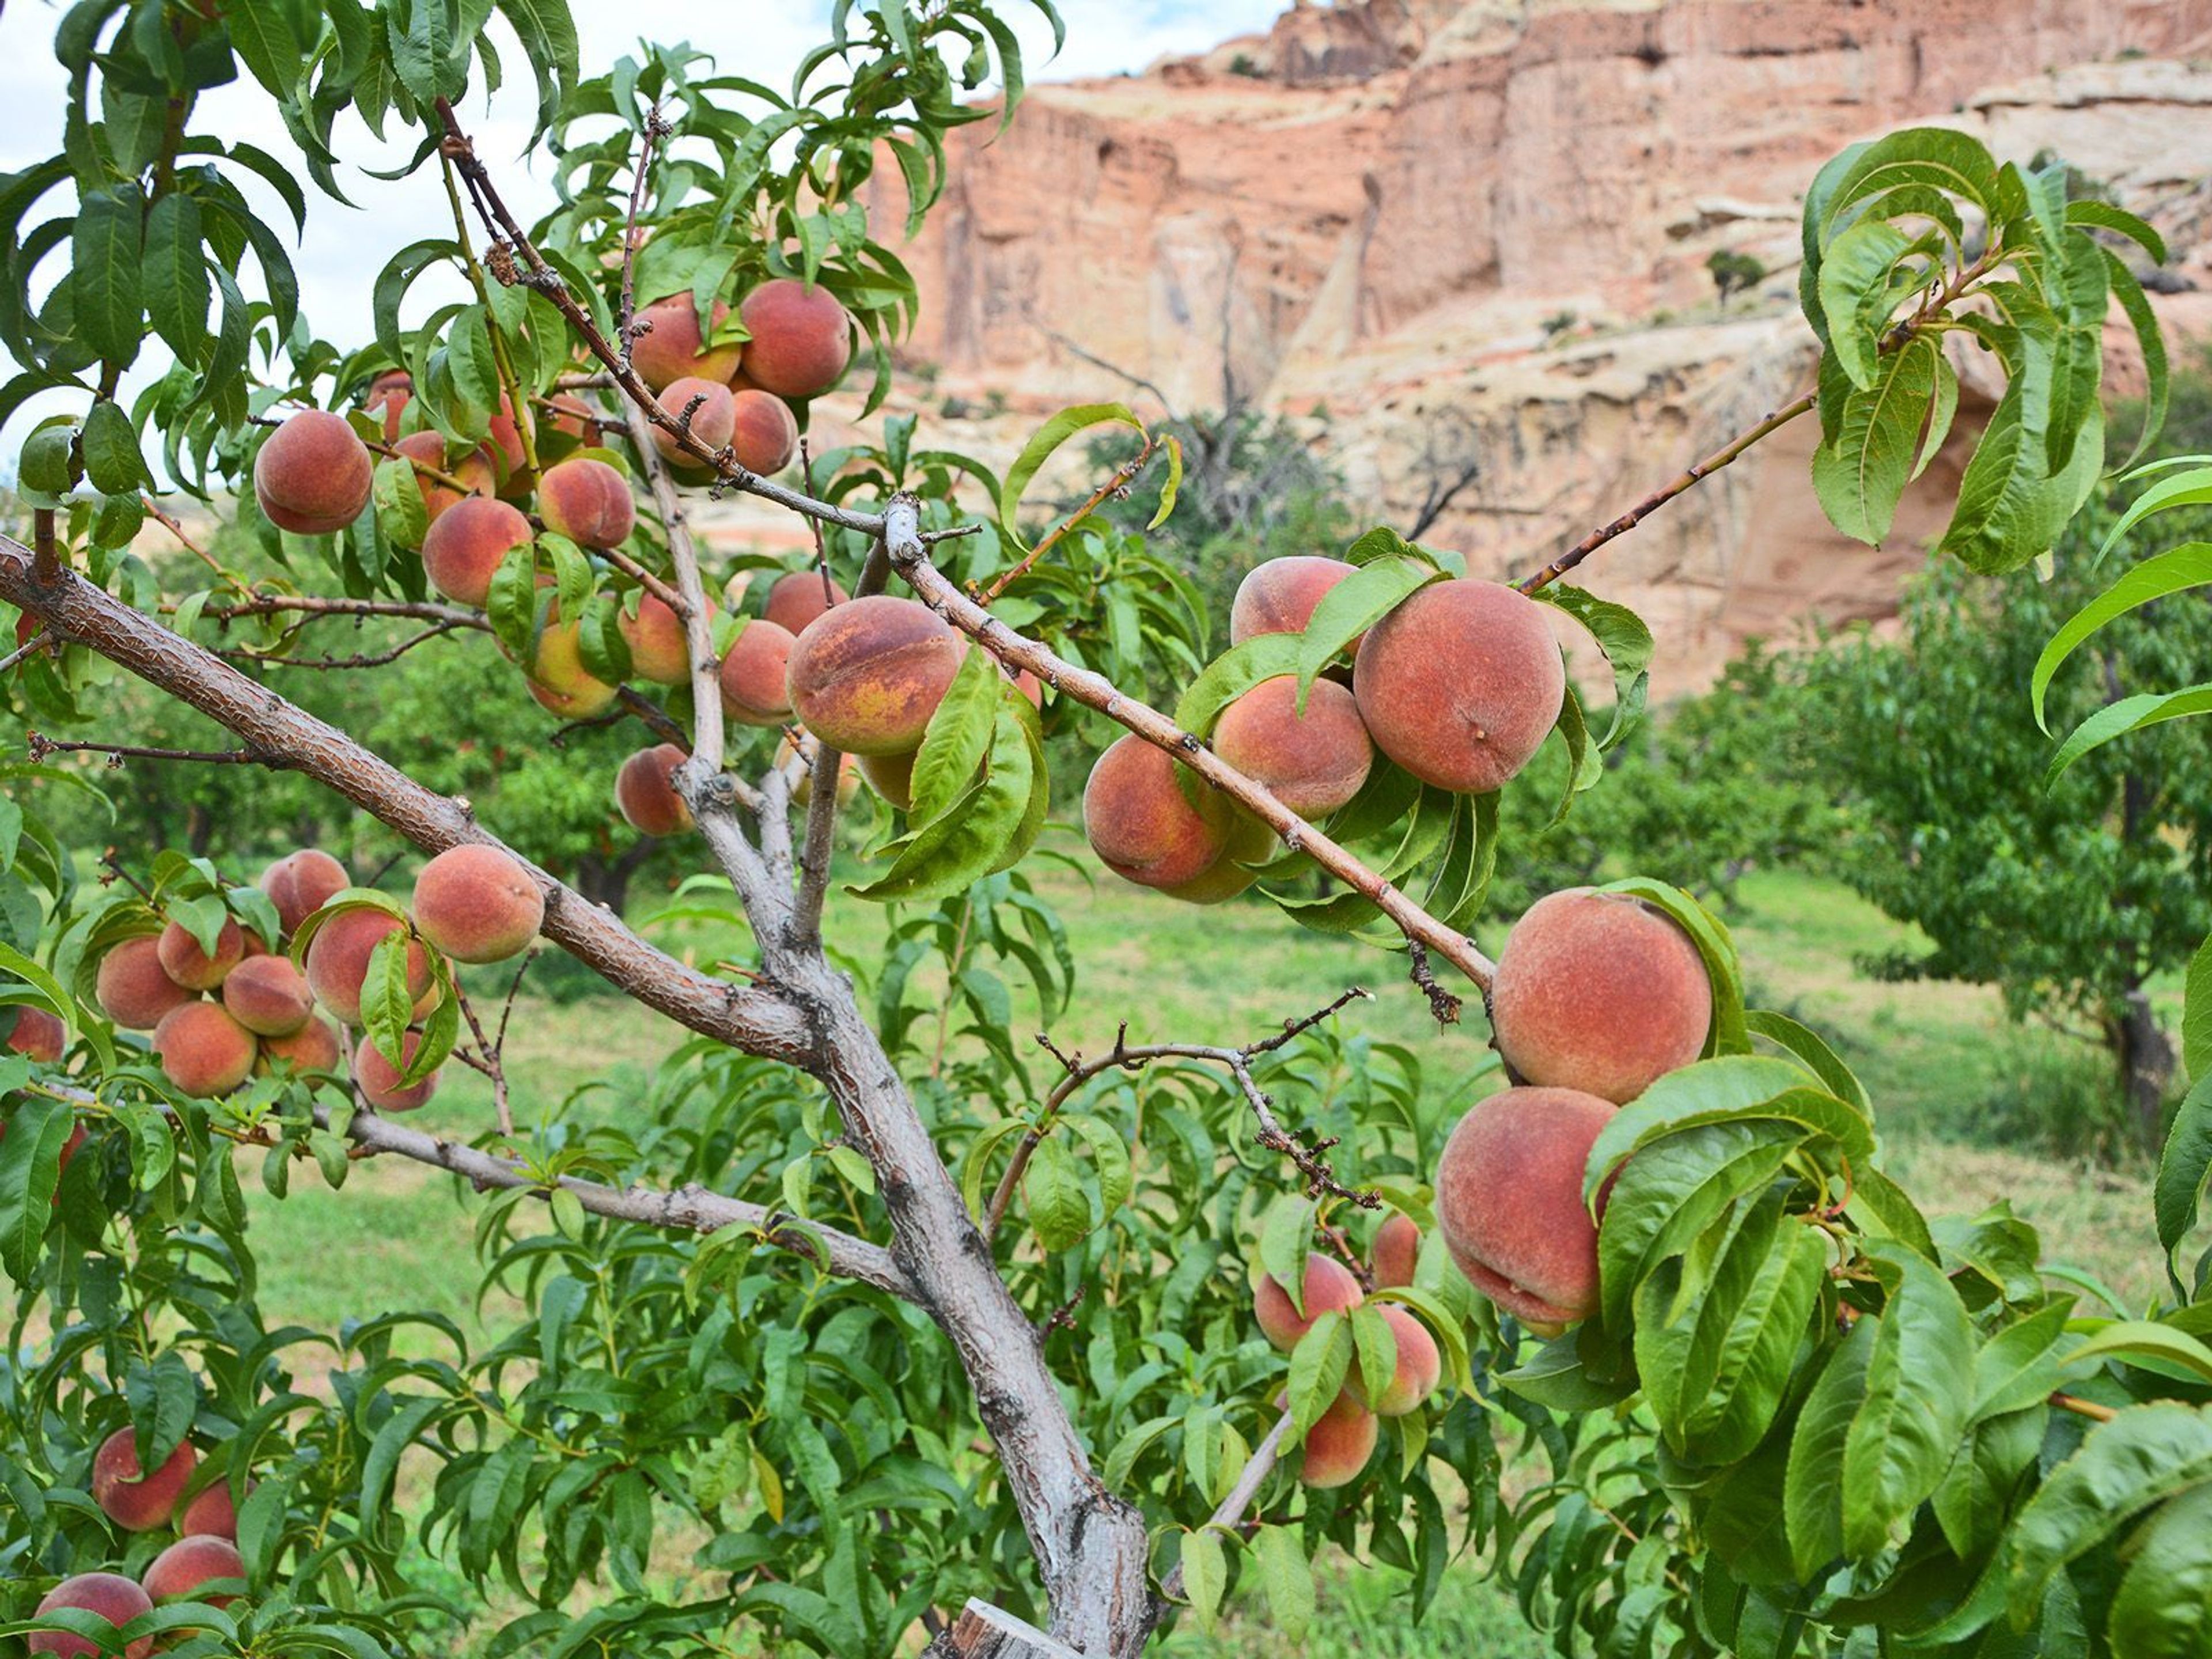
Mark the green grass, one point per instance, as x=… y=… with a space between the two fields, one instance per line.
x=1964 y=1099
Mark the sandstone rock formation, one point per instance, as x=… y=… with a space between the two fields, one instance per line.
x=1440 y=232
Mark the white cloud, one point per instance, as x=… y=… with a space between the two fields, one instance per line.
x=344 y=248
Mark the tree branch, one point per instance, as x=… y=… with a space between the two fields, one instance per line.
x=1230 y=1511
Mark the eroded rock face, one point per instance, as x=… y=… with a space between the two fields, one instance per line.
x=1445 y=231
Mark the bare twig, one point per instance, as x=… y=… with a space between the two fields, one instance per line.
x=371 y=660
x=655 y=128
x=1122 y=476
x=41 y=747
x=488 y=1053
x=1230 y=1511
x=44 y=639
x=168 y=521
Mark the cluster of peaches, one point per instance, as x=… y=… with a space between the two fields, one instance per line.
x=1459 y=684
x=219 y=1016
x=314 y=475
x=196 y=1568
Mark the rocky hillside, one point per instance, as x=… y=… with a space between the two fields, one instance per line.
x=1470 y=236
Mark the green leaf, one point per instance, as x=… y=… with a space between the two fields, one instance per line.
x=401 y=511
x=1858 y=293
x=30 y=1173
x=1052 y=1186
x=988 y=828
x=958 y=737
x=411 y=1415
x=1748 y=1333
x=1729 y=1035
x=1039 y=449
x=111 y=462
x=2140 y=1457
x=164 y=1399
x=1375 y=1353
x=387 y=1007
x=2190 y=488
x=1812 y=1509
x=1916 y=158
x=1813 y=1049
x=1286 y=1241
x=176 y=280
x=2175 y=571
x=1318 y=1366
x=548 y=34
x=2157 y=373
x=1732 y=1087
x=1918 y=1385
x=2134 y=1340
x=2019 y=1367
x=1286 y=1577
x=2159 y=1610
x=105 y=272
x=1205 y=1577
x=1862 y=469
x=262 y=33
x=2187 y=1155
x=1672 y=1190
x=2117 y=720
x=1230 y=676
x=1353 y=605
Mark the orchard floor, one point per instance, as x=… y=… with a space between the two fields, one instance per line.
x=1973 y=1108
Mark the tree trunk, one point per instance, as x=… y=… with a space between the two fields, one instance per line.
x=2145 y=1060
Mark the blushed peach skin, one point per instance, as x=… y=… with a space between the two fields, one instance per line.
x=1278 y=596
x=1313 y=763
x=1509 y=1200
x=867 y=674
x=1329 y=1288
x=314 y=475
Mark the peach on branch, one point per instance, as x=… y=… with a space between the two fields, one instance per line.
x=1394 y=1253
x=1144 y=830
x=891 y=776
x=37 y=1033
x=478 y=903
x=674 y=346
x=132 y=987
x=203 y=1051
x=867 y=674
x=802 y=339
x=313 y=474
x=135 y=1500
x=389 y=394
x=1419 y=1367
x=645 y=792
x=1329 y=1287
x=1509 y=1200
x=312 y=1047
x=299 y=884
x=197 y=970
x=197 y=1558
x=764 y=433
x=337 y=960
x=465 y=547
x=711 y=411
x=755 y=674
x=556 y=677
x=428 y=449
x=572 y=417
x=1314 y=762
x=589 y=501
x=1339 y=1445
x=109 y=1594
x=210 y=1514
x=797 y=597
x=377 y=1078
x=1278 y=596
x=1461 y=684
x=267 y=996
x=657 y=651
x=1600 y=992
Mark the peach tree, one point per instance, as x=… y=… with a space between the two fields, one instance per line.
x=865 y=1324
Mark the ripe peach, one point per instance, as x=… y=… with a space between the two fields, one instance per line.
x=203 y=1050
x=1461 y=684
x=299 y=884
x=867 y=674
x=1329 y=1286
x=556 y=677
x=134 y=1500
x=571 y=415
x=37 y=1033
x=1339 y=1445
x=377 y=1078
x=131 y=989
x=110 y=1596
x=389 y=394
x=1278 y=596
x=1509 y=1200
x=314 y=475
x=646 y=795
x=312 y=1047
x=474 y=470
x=177 y=1573
x=337 y=960
x=655 y=637
x=1396 y=1249
x=1144 y=831
x=675 y=346
x=589 y=501
x=764 y=433
x=891 y=776
x=1600 y=992
x=755 y=674
x=713 y=412
x=465 y=547
x=1420 y=1367
x=796 y=598
x=267 y=996
x=478 y=903
x=183 y=960
x=802 y=340
x=506 y=442
x=1314 y=762
x=210 y=1514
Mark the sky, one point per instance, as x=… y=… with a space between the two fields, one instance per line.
x=343 y=249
